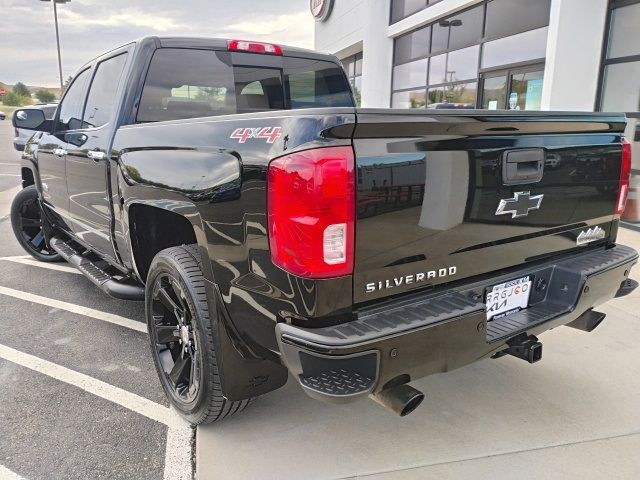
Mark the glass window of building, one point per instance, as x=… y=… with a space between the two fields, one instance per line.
x=410 y=75
x=353 y=68
x=459 y=95
x=409 y=99
x=457 y=31
x=508 y=17
x=531 y=45
x=412 y=45
x=621 y=68
x=472 y=55
x=403 y=8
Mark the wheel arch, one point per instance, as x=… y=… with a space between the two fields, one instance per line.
x=154 y=227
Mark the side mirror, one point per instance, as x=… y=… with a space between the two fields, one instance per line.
x=30 y=119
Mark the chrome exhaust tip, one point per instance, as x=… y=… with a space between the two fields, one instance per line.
x=401 y=399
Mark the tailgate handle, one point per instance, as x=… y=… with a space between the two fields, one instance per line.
x=523 y=166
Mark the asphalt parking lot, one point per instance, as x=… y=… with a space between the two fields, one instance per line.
x=81 y=399
x=80 y=396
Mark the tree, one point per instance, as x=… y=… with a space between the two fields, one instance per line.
x=10 y=99
x=67 y=82
x=21 y=90
x=45 y=96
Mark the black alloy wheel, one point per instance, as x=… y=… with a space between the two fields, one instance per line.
x=181 y=333
x=175 y=340
x=27 y=222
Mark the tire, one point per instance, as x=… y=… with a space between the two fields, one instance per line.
x=27 y=220
x=180 y=325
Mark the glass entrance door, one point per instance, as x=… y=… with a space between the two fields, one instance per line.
x=513 y=89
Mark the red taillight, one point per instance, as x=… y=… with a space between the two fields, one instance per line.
x=625 y=173
x=311 y=209
x=253 y=47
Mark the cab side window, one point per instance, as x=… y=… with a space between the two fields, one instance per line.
x=102 y=93
x=70 y=117
x=187 y=83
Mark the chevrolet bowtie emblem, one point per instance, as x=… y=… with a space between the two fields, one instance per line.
x=520 y=205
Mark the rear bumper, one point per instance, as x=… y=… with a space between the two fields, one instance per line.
x=438 y=332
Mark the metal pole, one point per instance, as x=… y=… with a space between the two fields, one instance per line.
x=55 y=18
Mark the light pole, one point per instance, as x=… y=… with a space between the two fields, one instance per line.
x=55 y=20
x=448 y=24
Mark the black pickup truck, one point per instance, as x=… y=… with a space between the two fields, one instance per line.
x=274 y=229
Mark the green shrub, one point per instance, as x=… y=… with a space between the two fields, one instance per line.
x=12 y=100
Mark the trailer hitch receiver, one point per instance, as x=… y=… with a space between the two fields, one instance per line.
x=526 y=347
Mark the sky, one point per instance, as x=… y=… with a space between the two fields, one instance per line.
x=91 y=27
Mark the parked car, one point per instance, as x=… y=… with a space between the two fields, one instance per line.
x=273 y=229
x=23 y=135
x=2 y=115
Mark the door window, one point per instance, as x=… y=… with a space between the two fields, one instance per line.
x=102 y=94
x=70 y=117
x=494 y=92
x=516 y=89
x=526 y=91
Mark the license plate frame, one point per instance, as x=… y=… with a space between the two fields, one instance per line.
x=508 y=297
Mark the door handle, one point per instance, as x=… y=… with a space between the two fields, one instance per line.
x=59 y=152
x=96 y=155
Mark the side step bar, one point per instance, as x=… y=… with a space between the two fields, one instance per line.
x=116 y=287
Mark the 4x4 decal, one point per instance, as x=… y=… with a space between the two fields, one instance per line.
x=271 y=134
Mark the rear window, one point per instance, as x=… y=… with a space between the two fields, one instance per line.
x=188 y=83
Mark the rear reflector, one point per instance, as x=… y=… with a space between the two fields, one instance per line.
x=253 y=47
x=625 y=173
x=311 y=212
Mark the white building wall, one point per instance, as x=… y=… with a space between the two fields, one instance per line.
x=377 y=55
x=574 y=46
x=576 y=30
x=343 y=31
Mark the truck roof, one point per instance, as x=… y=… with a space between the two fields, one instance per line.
x=216 y=44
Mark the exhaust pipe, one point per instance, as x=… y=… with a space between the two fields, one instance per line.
x=401 y=399
x=588 y=321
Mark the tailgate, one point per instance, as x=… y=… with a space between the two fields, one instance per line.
x=446 y=196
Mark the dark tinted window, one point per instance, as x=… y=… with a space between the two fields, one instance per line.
x=258 y=89
x=102 y=93
x=403 y=8
x=412 y=45
x=506 y=17
x=49 y=112
x=316 y=83
x=184 y=83
x=460 y=30
x=72 y=103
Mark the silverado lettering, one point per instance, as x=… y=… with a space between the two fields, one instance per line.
x=409 y=279
x=255 y=257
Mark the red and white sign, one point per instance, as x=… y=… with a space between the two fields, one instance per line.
x=270 y=134
x=320 y=9
x=3 y=92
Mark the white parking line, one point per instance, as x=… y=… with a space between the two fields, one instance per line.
x=178 y=447
x=7 y=474
x=73 y=308
x=92 y=385
x=26 y=260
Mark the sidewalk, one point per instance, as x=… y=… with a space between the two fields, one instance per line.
x=575 y=412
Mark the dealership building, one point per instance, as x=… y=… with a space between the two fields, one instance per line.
x=581 y=55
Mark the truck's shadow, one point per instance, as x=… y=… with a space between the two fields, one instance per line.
x=487 y=408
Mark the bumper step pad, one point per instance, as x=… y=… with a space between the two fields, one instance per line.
x=338 y=382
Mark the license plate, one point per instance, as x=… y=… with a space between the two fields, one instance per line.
x=508 y=297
